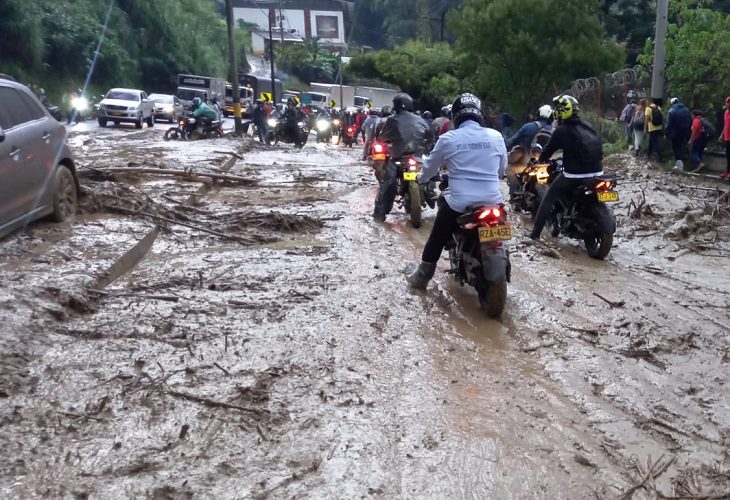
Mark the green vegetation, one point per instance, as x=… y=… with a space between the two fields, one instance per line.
x=698 y=44
x=307 y=61
x=147 y=42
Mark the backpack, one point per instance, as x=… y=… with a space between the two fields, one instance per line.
x=657 y=117
x=708 y=129
x=638 y=121
x=542 y=136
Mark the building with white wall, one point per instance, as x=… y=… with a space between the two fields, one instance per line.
x=300 y=20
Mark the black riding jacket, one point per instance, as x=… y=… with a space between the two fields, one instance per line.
x=581 y=145
x=406 y=132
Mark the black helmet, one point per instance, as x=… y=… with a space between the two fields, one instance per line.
x=466 y=107
x=427 y=114
x=386 y=111
x=402 y=101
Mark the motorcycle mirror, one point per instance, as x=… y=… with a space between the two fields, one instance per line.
x=2 y=134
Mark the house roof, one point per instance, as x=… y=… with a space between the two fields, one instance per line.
x=276 y=35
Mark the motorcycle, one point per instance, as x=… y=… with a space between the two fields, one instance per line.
x=478 y=257
x=324 y=130
x=55 y=111
x=532 y=184
x=349 y=136
x=378 y=159
x=585 y=215
x=278 y=131
x=409 y=191
x=188 y=128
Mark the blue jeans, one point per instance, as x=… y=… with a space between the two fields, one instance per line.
x=698 y=147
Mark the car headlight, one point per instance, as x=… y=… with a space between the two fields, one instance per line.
x=80 y=103
x=132 y=108
x=323 y=125
x=272 y=122
x=168 y=109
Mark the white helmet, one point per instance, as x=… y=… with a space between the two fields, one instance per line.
x=545 y=111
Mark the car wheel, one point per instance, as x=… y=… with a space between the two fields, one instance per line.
x=173 y=118
x=64 y=195
x=116 y=123
x=151 y=121
x=138 y=123
x=102 y=122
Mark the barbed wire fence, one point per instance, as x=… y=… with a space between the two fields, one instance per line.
x=607 y=95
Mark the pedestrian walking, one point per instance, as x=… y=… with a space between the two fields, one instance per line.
x=627 y=116
x=725 y=137
x=702 y=132
x=678 y=130
x=638 y=125
x=654 y=125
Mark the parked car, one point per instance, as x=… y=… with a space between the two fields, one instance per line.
x=167 y=107
x=37 y=171
x=126 y=105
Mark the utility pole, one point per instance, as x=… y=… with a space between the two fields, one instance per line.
x=233 y=69
x=443 y=23
x=281 y=25
x=271 y=58
x=657 y=75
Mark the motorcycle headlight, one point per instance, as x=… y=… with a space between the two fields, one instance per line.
x=323 y=125
x=272 y=122
x=301 y=124
x=191 y=120
x=80 y=103
x=337 y=122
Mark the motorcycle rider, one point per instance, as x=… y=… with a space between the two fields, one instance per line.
x=259 y=119
x=368 y=129
x=443 y=123
x=405 y=132
x=532 y=132
x=292 y=116
x=203 y=113
x=582 y=150
x=476 y=158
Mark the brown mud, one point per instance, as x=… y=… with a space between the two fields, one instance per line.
x=267 y=346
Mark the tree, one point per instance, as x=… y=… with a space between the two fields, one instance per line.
x=307 y=61
x=519 y=52
x=698 y=44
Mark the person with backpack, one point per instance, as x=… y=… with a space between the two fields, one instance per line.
x=654 y=125
x=678 y=130
x=582 y=150
x=702 y=132
x=627 y=116
x=637 y=124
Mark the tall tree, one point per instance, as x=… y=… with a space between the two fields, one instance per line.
x=519 y=52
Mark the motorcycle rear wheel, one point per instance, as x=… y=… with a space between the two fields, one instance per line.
x=414 y=200
x=492 y=297
x=599 y=246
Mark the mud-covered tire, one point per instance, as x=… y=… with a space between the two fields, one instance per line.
x=599 y=246
x=172 y=134
x=151 y=121
x=492 y=298
x=138 y=123
x=65 y=197
x=414 y=200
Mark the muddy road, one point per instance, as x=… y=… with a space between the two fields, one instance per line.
x=252 y=336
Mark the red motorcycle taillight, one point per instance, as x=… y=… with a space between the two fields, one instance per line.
x=411 y=162
x=604 y=185
x=490 y=212
x=350 y=130
x=378 y=148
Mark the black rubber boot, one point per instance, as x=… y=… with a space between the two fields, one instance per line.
x=422 y=275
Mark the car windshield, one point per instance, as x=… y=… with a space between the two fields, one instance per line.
x=122 y=95
x=164 y=99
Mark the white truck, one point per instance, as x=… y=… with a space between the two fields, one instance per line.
x=378 y=97
x=332 y=90
x=205 y=87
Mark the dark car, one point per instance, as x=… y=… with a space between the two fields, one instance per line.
x=37 y=171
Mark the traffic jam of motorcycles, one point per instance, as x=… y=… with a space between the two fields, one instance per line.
x=307 y=290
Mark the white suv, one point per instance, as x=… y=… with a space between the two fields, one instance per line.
x=126 y=105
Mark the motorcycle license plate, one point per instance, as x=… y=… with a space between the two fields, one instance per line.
x=494 y=233
x=410 y=176
x=378 y=157
x=608 y=196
